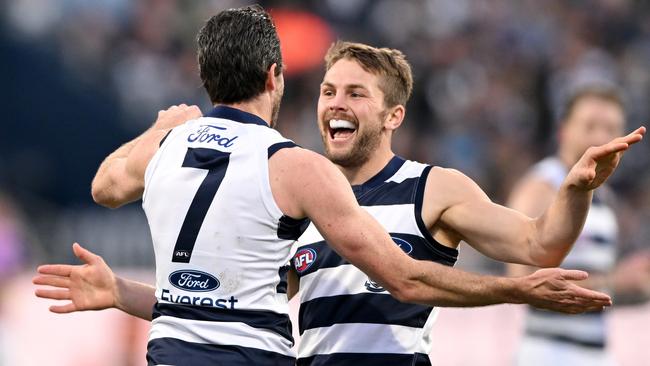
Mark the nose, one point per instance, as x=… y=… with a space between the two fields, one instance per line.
x=337 y=103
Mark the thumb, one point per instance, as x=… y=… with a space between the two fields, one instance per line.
x=574 y=275
x=84 y=254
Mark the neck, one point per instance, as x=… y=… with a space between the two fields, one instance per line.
x=377 y=161
x=258 y=106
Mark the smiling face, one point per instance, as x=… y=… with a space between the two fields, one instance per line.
x=351 y=113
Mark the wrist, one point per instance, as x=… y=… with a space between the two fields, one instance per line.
x=118 y=290
x=511 y=290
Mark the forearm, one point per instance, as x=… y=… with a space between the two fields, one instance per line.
x=438 y=285
x=135 y=298
x=559 y=227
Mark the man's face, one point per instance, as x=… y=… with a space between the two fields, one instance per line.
x=350 y=113
x=594 y=121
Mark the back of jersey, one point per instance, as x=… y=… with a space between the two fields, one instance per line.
x=221 y=245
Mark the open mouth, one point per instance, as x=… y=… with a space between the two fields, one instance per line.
x=340 y=129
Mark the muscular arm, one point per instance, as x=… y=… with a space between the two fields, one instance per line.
x=306 y=184
x=120 y=177
x=507 y=235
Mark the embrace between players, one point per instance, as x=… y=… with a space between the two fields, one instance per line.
x=372 y=261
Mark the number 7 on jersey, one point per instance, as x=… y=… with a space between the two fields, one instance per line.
x=216 y=163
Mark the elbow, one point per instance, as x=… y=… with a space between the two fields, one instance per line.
x=543 y=258
x=102 y=198
x=405 y=291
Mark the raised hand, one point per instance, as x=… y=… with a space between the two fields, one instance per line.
x=89 y=286
x=554 y=289
x=599 y=162
x=176 y=115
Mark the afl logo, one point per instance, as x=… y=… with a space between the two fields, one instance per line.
x=303 y=259
x=195 y=281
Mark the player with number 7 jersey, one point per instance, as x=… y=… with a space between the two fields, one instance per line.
x=220 y=257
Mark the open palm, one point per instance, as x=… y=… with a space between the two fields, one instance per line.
x=89 y=286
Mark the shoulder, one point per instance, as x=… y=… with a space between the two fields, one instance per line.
x=450 y=180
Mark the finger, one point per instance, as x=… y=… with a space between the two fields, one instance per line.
x=598 y=152
x=63 y=309
x=54 y=281
x=84 y=254
x=574 y=274
x=52 y=294
x=55 y=269
x=580 y=292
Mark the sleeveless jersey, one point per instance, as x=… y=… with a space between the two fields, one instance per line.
x=345 y=317
x=221 y=245
x=594 y=252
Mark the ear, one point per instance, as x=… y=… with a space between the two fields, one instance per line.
x=272 y=82
x=394 y=117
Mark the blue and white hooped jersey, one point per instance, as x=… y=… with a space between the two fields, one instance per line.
x=594 y=251
x=221 y=245
x=345 y=317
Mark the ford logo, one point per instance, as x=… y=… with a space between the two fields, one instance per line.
x=191 y=280
x=403 y=244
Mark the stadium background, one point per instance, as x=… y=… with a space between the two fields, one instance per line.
x=79 y=78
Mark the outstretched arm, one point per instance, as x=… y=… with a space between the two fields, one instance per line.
x=510 y=236
x=93 y=286
x=306 y=184
x=120 y=177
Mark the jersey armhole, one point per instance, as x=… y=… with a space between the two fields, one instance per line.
x=267 y=194
x=448 y=253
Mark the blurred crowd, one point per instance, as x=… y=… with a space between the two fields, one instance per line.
x=490 y=80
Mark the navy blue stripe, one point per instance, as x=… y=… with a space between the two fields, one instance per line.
x=366 y=359
x=567 y=339
x=281 y=288
x=326 y=257
x=165 y=138
x=236 y=115
x=360 y=308
x=390 y=193
x=280 y=145
x=261 y=319
x=171 y=351
x=388 y=171
x=558 y=316
x=290 y=228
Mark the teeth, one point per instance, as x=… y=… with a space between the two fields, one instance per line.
x=340 y=123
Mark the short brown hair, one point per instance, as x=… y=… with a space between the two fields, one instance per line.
x=396 y=80
x=603 y=92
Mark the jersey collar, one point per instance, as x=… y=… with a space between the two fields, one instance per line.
x=235 y=114
x=388 y=171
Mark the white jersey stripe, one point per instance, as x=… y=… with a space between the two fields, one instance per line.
x=371 y=338
x=224 y=333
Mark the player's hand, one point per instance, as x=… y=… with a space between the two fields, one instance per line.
x=599 y=162
x=176 y=115
x=554 y=289
x=89 y=286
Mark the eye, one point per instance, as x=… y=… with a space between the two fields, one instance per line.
x=356 y=95
x=327 y=93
